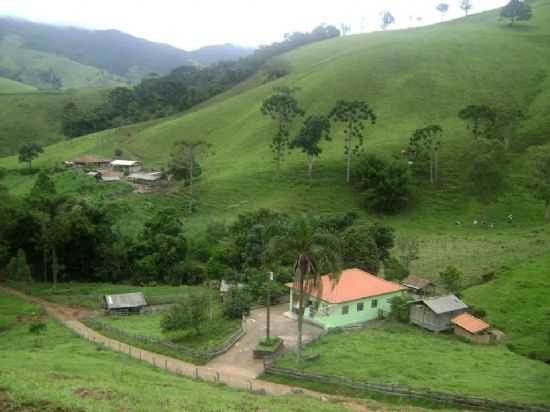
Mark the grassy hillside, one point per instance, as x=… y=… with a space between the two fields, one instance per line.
x=68 y=373
x=518 y=301
x=411 y=78
x=32 y=116
x=10 y=86
x=46 y=70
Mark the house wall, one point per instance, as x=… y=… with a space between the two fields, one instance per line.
x=423 y=316
x=332 y=316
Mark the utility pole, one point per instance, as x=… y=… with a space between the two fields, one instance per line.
x=268 y=305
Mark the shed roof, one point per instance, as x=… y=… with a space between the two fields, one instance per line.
x=470 y=323
x=126 y=300
x=416 y=282
x=353 y=284
x=88 y=159
x=128 y=163
x=445 y=304
x=151 y=177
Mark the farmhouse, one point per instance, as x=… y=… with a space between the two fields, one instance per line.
x=126 y=166
x=90 y=162
x=435 y=314
x=357 y=297
x=125 y=303
x=418 y=286
x=475 y=330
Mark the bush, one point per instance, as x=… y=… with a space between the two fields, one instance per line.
x=400 y=309
x=237 y=304
x=359 y=249
x=188 y=316
x=18 y=268
x=394 y=270
x=451 y=278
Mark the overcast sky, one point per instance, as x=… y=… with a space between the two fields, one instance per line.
x=190 y=24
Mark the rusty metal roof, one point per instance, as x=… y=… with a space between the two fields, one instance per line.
x=470 y=323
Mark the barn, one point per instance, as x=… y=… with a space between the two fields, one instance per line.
x=124 y=304
x=435 y=314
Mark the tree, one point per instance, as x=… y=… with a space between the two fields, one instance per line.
x=442 y=8
x=466 y=6
x=387 y=20
x=384 y=237
x=394 y=270
x=400 y=308
x=408 y=251
x=345 y=29
x=480 y=120
x=28 y=152
x=424 y=148
x=541 y=185
x=18 y=269
x=315 y=129
x=237 y=304
x=385 y=185
x=506 y=124
x=516 y=10
x=359 y=249
x=451 y=279
x=284 y=108
x=487 y=166
x=187 y=155
x=186 y=317
x=352 y=114
x=314 y=253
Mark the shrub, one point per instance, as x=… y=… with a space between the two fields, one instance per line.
x=359 y=249
x=18 y=268
x=394 y=270
x=187 y=316
x=451 y=278
x=400 y=309
x=237 y=304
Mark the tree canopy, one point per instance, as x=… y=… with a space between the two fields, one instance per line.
x=516 y=10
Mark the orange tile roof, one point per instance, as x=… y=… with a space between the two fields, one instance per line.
x=353 y=284
x=470 y=323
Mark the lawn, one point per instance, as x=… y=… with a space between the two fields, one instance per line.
x=518 y=302
x=71 y=374
x=89 y=294
x=406 y=355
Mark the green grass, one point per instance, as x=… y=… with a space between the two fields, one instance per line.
x=57 y=374
x=411 y=78
x=406 y=355
x=11 y=86
x=518 y=302
x=89 y=295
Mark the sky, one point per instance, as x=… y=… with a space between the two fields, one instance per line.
x=190 y=24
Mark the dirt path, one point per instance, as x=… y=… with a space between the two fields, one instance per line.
x=233 y=377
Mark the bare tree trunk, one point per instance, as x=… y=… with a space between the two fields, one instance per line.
x=310 y=168
x=45 y=261
x=436 y=165
x=55 y=267
x=431 y=168
x=300 y=315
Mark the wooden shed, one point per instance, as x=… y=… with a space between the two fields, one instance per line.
x=475 y=330
x=124 y=304
x=436 y=313
x=418 y=286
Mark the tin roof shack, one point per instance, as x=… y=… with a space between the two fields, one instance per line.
x=145 y=178
x=435 y=314
x=124 y=304
x=475 y=330
x=419 y=287
x=126 y=166
x=108 y=176
x=91 y=162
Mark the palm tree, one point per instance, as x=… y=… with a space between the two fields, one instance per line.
x=314 y=251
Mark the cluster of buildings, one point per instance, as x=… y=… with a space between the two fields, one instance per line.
x=108 y=170
x=358 y=297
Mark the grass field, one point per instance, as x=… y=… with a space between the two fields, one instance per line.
x=518 y=302
x=71 y=374
x=411 y=78
x=10 y=86
x=409 y=356
x=89 y=294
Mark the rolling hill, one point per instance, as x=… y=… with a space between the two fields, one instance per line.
x=30 y=52
x=11 y=86
x=411 y=78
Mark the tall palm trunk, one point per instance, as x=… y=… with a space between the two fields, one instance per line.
x=300 y=314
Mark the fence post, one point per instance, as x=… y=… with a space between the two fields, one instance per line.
x=166 y=364
x=196 y=373
x=217 y=377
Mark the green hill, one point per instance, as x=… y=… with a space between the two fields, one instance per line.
x=411 y=78
x=11 y=86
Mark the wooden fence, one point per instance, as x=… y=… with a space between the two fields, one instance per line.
x=195 y=356
x=405 y=391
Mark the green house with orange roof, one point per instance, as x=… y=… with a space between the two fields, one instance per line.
x=356 y=297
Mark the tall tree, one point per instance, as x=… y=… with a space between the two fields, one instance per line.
x=466 y=6
x=283 y=107
x=480 y=120
x=345 y=29
x=424 y=148
x=188 y=155
x=443 y=8
x=387 y=20
x=541 y=185
x=315 y=129
x=28 y=152
x=314 y=253
x=516 y=10
x=353 y=115
x=506 y=124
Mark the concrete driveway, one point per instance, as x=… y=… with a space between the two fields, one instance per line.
x=238 y=360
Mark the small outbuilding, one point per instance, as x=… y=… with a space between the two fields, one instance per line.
x=108 y=176
x=475 y=330
x=126 y=166
x=124 y=304
x=436 y=313
x=145 y=178
x=90 y=162
x=418 y=286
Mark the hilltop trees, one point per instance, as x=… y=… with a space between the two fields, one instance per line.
x=353 y=115
x=480 y=120
x=466 y=6
x=282 y=107
x=506 y=124
x=424 y=148
x=541 y=185
x=516 y=10
x=28 y=152
x=442 y=8
x=387 y=20
x=315 y=129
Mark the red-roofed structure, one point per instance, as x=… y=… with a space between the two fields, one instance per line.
x=475 y=330
x=470 y=323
